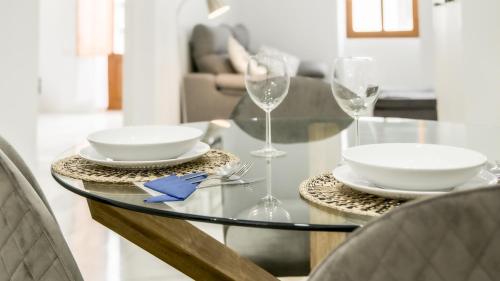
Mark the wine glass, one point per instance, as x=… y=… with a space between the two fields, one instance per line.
x=354 y=87
x=267 y=82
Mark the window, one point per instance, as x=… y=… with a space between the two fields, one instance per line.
x=382 y=18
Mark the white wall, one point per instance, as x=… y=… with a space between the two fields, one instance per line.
x=404 y=63
x=481 y=41
x=150 y=89
x=449 y=64
x=19 y=74
x=155 y=58
x=468 y=61
x=306 y=29
x=69 y=83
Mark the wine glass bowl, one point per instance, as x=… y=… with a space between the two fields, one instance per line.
x=354 y=87
x=267 y=81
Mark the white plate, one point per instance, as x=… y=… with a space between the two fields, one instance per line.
x=93 y=156
x=345 y=175
x=414 y=166
x=144 y=143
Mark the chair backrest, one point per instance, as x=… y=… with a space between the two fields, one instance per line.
x=309 y=102
x=31 y=244
x=452 y=237
x=12 y=154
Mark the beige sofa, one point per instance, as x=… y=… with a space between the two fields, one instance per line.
x=208 y=96
x=213 y=88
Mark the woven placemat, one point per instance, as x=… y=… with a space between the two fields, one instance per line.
x=79 y=168
x=326 y=191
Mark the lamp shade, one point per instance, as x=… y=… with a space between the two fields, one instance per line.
x=216 y=8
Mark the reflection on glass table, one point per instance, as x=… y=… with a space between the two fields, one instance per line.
x=269 y=208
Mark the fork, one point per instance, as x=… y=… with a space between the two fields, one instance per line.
x=228 y=172
x=234 y=175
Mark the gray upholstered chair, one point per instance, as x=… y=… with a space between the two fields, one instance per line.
x=31 y=244
x=452 y=237
x=12 y=154
x=309 y=102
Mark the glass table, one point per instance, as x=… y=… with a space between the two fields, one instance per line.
x=312 y=146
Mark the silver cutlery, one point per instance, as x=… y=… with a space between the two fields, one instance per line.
x=233 y=182
x=235 y=174
x=228 y=173
x=240 y=168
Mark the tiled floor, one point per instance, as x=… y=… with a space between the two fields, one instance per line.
x=100 y=254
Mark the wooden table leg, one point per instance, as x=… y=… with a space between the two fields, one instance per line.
x=179 y=244
x=322 y=244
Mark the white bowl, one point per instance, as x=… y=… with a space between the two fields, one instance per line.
x=141 y=143
x=413 y=166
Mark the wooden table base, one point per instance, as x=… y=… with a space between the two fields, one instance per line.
x=179 y=244
x=322 y=244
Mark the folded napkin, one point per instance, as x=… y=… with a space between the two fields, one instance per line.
x=174 y=188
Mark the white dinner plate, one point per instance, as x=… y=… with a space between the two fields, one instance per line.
x=414 y=166
x=345 y=175
x=145 y=143
x=91 y=155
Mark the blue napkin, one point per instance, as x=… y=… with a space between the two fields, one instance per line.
x=174 y=188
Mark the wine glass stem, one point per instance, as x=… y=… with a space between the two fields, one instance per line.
x=356 y=119
x=269 y=174
x=268 y=130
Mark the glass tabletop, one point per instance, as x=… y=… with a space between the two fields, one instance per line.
x=312 y=146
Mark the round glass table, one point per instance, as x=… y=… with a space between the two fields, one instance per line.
x=302 y=233
x=312 y=146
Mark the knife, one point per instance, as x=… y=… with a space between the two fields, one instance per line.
x=235 y=182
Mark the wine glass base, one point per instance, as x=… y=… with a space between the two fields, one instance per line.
x=268 y=152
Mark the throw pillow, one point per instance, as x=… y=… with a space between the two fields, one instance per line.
x=237 y=54
x=292 y=61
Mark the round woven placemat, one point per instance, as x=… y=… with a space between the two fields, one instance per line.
x=79 y=168
x=326 y=191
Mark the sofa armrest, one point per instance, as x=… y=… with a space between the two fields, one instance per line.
x=231 y=81
x=203 y=101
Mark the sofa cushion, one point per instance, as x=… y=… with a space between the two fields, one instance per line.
x=209 y=40
x=241 y=33
x=215 y=64
x=213 y=40
x=230 y=81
